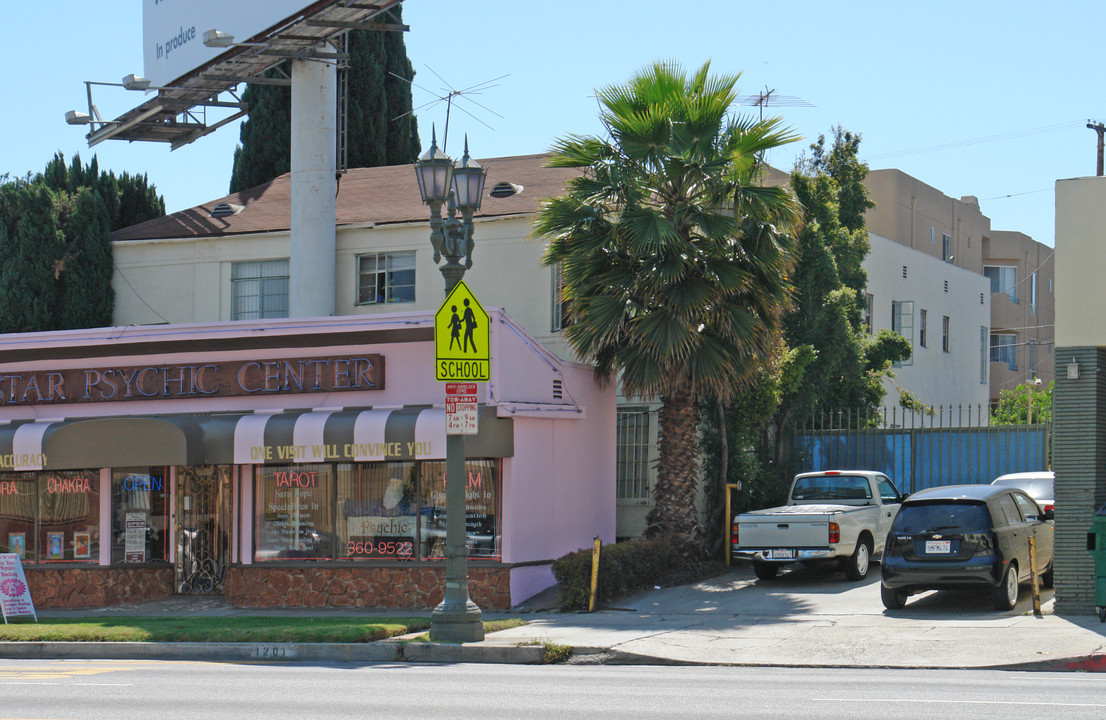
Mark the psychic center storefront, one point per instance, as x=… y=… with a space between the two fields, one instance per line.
x=290 y=463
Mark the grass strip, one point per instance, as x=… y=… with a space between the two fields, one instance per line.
x=215 y=629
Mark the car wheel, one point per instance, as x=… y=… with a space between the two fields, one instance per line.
x=1048 y=580
x=892 y=599
x=1005 y=596
x=765 y=571
x=857 y=565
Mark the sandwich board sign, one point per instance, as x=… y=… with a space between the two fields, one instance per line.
x=15 y=596
x=462 y=338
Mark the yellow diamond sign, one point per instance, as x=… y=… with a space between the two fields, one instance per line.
x=461 y=338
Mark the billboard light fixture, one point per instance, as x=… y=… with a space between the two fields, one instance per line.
x=76 y=117
x=136 y=82
x=217 y=39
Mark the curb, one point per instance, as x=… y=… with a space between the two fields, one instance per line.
x=386 y=651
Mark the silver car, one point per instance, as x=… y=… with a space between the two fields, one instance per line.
x=1038 y=485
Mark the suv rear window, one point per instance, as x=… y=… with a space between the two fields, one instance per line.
x=942 y=517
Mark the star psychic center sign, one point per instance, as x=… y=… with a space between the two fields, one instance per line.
x=165 y=382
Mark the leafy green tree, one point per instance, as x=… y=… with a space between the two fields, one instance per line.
x=675 y=259
x=381 y=127
x=1027 y=403
x=55 y=243
x=30 y=243
x=826 y=358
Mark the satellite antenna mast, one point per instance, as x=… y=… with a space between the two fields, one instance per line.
x=449 y=97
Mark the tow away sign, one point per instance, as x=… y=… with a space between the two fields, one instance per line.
x=460 y=409
x=462 y=338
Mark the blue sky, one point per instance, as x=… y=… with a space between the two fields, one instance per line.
x=987 y=98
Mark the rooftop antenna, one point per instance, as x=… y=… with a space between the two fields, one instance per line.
x=769 y=98
x=451 y=94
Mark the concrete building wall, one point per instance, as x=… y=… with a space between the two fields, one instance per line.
x=1079 y=402
x=936 y=376
x=1025 y=311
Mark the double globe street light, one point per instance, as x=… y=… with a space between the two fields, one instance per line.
x=460 y=186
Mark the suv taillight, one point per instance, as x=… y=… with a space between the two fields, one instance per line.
x=834 y=532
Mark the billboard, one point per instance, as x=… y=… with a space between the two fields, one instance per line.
x=173 y=30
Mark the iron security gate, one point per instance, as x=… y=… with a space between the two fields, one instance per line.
x=203 y=507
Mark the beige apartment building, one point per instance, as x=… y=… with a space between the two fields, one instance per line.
x=1019 y=270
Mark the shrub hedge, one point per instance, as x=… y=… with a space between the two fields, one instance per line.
x=624 y=568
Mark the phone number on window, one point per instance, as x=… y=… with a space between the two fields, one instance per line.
x=380 y=548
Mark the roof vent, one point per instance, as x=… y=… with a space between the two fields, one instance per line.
x=224 y=209
x=505 y=189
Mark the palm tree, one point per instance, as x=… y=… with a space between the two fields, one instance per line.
x=675 y=259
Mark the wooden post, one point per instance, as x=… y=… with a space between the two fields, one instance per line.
x=1033 y=577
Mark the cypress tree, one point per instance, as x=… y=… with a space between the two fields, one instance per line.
x=381 y=129
x=84 y=294
x=30 y=242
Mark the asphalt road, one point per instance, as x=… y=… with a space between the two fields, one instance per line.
x=129 y=690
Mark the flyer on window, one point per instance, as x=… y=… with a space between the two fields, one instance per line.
x=17 y=544
x=55 y=544
x=82 y=544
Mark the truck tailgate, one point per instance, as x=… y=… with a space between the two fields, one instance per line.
x=791 y=526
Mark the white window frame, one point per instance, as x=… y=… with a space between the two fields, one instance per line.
x=902 y=322
x=1004 y=349
x=922 y=317
x=869 y=307
x=946 y=333
x=384 y=268
x=1004 y=279
x=632 y=445
x=984 y=353
x=259 y=289
x=559 y=307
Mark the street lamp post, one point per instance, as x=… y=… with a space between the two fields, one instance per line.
x=460 y=187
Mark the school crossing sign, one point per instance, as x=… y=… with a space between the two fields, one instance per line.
x=462 y=338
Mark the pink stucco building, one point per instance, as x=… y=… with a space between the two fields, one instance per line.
x=290 y=462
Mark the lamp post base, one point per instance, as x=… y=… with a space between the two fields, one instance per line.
x=456 y=623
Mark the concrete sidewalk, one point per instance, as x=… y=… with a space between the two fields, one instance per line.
x=803 y=618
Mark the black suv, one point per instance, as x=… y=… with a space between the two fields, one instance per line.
x=963 y=536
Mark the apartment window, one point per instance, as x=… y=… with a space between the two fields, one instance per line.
x=902 y=322
x=1033 y=342
x=1033 y=293
x=1003 y=279
x=922 y=328
x=560 y=315
x=632 y=453
x=259 y=289
x=869 y=305
x=983 y=354
x=945 y=333
x=386 y=278
x=946 y=247
x=1003 y=349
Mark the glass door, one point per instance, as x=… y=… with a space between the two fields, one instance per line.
x=203 y=527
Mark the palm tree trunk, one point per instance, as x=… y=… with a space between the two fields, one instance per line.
x=677 y=469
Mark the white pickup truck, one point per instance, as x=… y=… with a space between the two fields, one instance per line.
x=834 y=515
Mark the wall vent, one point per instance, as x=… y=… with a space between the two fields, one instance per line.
x=903 y=272
x=558 y=389
x=946 y=286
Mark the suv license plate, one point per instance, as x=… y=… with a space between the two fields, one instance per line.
x=938 y=547
x=781 y=554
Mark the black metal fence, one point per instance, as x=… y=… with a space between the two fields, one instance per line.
x=949 y=446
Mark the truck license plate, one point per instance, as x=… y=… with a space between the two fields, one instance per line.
x=781 y=554
x=938 y=547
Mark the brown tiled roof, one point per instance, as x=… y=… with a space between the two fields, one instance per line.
x=379 y=195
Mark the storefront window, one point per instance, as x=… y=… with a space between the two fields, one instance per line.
x=17 y=515
x=51 y=516
x=481 y=509
x=377 y=510
x=295 y=512
x=367 y=511
x=140 y=518
x=69 y=517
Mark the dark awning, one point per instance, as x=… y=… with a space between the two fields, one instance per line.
x=280 y=438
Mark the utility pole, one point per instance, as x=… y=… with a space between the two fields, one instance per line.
x=1100 y=129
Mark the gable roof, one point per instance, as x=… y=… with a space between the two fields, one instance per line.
x=379 y=195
